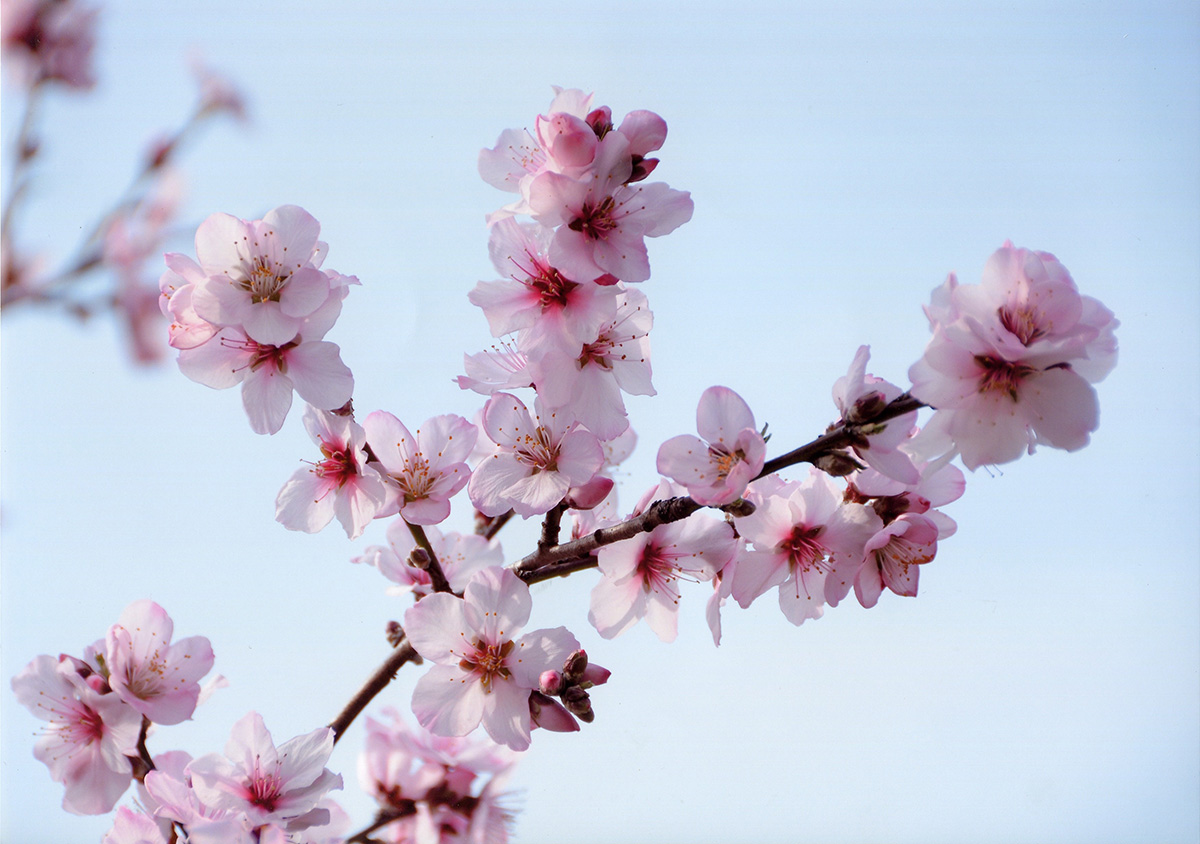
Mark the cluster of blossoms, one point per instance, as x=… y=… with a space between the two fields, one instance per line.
x=1010 y=365
x=48 y=46
x=433 y=788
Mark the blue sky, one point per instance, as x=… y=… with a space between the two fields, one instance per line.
x=1045 y=685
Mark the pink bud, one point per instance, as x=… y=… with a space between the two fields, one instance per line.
x=551 y=682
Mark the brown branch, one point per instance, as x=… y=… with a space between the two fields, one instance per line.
x=376 y=683
x=437 y=577
x=579 y=554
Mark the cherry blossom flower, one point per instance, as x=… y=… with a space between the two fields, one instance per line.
x=268 y=374
x=263 y=275
x=641 y=575
x=589 y=382
x=460 y=556
x=88 y=737
x=268 y=784
x=550 y=309
x=438 y=786
x=602 y=222
x=859 y=396
x=425 y=471
x=159 y=679
x=130 y=827
x=537 y=459
x=342 y=484
x=717 y=469
x=1011 y=360
x=801 y=533
x=893 y=558
x=49 y=41
x=483 y=673
x=502 y=367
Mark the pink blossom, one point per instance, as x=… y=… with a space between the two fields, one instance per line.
x=130 y=827
x=550 y=309
x=439 y=786
x=159 y=679
x=483 y=673
x=893 y=557
x=268 y=784
x=589 y=382
x=860 y=396
x=801 y=534
x=536 y=460
x=717 y=469
x=425 y=471
x=502 y=367
x=602 y=222
x=187 y=330
x=460 y=556
x=49 y=41
x=268 y=374
x=261 y=276
x=641 y=575
x=1011 y=359
x=341 y=484
x=88 y=735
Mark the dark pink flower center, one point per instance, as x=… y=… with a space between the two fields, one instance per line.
x=339 y=464
x=487 y=661
x=264 y=789
x=1023 y=322
x=595 y=221
x=1001 y=375
x=803 y=551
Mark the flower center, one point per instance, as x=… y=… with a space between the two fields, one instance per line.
x=1023 y=322
x=803 y=551
x=595 y=221
x=1001 y=375
x=487 y=661
x=339 y=464
x=263 y=789
x=264 y=282
x=724 y=459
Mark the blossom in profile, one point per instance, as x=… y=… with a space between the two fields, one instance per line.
x=1012 y=361
x=483 y=673
x=859 y=396
x=460 y=556
x=717 y=468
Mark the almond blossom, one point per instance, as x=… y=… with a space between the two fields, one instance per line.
x=717 y=469
x=88 y=737
x=261 y=276
x=616 y=359
x=801 y=533
x=641 y=575
x=893 y=557
x=425 y=471
x=483 y=673
x=268 y=784
x=159 y=679
x=460 y=556
x=1012 y=360
x=341 y=484
x=536 y=459
x=859 y=397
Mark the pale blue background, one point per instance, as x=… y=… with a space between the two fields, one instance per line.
x=1045 y=686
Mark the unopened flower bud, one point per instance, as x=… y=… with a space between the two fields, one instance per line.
x=578 y=703
x=866 y=408
x=551 y=682
x=419 y=558
x=394 y=633
x=600 y=120
x=837 y=463
x=574 y=667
